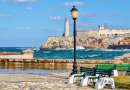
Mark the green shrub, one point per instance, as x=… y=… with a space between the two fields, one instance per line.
x=54 y=43
x=127 y=38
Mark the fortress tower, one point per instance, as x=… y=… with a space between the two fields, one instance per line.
x=66 y=27
x=100 y=26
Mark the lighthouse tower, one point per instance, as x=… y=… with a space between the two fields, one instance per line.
x=66 y=27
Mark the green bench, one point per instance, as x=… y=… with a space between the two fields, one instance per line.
x=109 y=66
x=123 y=67
x=115 y=67
x=102 y=73
x=83 y=71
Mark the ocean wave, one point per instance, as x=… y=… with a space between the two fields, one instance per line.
x=88 y=49
x=24 y=48
x=60 y=49
x=92 y=55
x=47 y=51
x=79 y=48
x=119 y=50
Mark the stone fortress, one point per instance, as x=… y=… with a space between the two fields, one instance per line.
x=93 y=39
x=104 y=33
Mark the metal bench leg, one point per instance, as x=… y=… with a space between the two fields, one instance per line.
x=84 y=81
x=72 y=79
x=115 y=73
x=127 y=73
x=103 y=81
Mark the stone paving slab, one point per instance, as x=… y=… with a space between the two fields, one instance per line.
x=57 y=81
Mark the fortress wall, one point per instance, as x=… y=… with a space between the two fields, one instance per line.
x=88 y=33
x=112 y=32
x=51 y=38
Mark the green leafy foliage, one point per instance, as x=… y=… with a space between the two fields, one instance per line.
x=127 y=38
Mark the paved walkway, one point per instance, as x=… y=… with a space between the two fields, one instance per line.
x=57 y=81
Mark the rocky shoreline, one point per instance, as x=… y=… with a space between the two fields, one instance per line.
x=87 y=43
x=57 y=81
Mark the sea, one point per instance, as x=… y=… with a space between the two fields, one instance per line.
x=61 y=53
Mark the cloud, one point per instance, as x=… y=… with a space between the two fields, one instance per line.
x=110 y=14
x=52 y=10
x=115 y=26
x=26 y=9
x=87 y=14
x=73 y=3
x=24 y=29
x=80 y=23
x=49 y=10
x=58 y=18
x=59 y=30
x=5 y=16
x=3 y=28
x=20 y=1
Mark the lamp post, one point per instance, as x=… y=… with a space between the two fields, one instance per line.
x=74 y=15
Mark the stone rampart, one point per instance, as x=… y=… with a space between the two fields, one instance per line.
x=24 y=54
x=56 y=38
x=87 y=33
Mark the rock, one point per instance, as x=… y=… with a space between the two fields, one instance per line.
x=88 y=43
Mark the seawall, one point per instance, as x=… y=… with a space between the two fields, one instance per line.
x=58 y=63
x=119 y=47
x=50 y=63
x=24 y=54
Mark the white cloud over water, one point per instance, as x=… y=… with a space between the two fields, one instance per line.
x=77 y=3
x=58 y=18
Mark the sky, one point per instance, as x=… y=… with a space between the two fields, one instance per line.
x=28 y=23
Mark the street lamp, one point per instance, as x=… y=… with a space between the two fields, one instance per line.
x=74 y=15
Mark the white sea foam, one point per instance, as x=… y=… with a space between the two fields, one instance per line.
x=88 y=49
x=115 y=50
x=46 y=51
x=24 y=48
x=79 y=48
x=60 y=49
x=92 y=55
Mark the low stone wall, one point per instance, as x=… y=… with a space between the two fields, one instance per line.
x=125 y=59
x=49 y=63
x=24 y=54
x=54 y=64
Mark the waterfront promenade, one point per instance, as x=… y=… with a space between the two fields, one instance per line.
x=56 y=81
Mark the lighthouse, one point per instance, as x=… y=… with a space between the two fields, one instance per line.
x=66 y=27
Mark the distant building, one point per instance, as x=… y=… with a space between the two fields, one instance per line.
x=103 y=33
x=124 y=42
x=98 y=33
x=66 y=33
